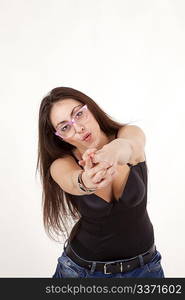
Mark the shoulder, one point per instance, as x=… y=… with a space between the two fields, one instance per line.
x=66 y=161
x=137 y=137
x=132 y=131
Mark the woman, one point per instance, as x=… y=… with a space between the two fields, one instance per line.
x=93 y=169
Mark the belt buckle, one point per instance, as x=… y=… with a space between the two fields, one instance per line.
x=105 y=268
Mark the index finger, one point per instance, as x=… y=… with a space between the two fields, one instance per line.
x=101 y=166
x=87 y=152
x=88 y=163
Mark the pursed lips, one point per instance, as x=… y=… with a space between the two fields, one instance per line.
x=85 y=136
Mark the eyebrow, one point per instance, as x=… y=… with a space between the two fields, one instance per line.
x=70 y=115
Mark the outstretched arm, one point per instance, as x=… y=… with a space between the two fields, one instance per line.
x=128 y=147
x=136 y=138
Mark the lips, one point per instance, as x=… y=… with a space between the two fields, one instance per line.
x=85 y=136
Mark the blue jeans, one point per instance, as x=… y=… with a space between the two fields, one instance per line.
x=67 y=268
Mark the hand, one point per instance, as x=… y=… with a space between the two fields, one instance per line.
x=108 y=153
x=104 y=178
x=87 y=153
x=116 y=152
x=99 y=175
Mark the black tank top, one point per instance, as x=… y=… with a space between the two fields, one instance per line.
x=117 y=229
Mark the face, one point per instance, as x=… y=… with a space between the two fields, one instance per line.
x=61 y=111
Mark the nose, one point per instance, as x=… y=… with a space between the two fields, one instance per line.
x=78 y=127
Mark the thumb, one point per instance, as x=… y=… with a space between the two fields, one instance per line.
x=81 y=163
x=88 y=152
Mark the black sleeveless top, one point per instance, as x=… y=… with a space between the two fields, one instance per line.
x=117 y=229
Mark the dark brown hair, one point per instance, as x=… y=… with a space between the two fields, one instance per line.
x=59 y=211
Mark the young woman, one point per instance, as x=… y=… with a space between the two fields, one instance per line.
x=93 y=169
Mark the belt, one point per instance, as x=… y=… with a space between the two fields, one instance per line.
x=111 y=267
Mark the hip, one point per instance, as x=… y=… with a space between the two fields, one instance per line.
x=145 y=265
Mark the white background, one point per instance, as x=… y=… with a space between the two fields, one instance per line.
x=129 y=56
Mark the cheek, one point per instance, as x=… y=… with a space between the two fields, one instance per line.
x=97 y=128
x=70 y=141
x=93 y=124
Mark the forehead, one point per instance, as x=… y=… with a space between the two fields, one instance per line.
x=61 y=110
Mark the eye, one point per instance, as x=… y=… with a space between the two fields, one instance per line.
x=79 y=114
x=65 y=127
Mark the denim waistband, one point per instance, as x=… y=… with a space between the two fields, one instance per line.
x=112 y=266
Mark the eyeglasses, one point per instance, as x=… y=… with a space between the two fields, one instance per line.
x=67 y=129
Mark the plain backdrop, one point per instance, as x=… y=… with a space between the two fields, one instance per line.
x=129 y=56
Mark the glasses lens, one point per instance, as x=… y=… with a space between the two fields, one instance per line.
x=66 y=130
x=81 y=115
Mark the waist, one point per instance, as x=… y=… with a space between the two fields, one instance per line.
x=111 y=240
x=109 y=248
x=110 y=267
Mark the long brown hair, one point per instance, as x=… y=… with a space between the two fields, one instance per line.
x=59 y=211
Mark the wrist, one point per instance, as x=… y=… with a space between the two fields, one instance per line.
x=82 y=186
x=123 y=150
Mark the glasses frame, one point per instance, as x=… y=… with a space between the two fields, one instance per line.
x=71 y=122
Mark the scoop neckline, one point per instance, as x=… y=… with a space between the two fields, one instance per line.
x=115 y=200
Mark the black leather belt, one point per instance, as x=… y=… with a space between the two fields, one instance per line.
x=111 y=267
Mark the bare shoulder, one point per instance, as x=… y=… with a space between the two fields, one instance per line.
x=137 y=136
x=129 y=131
x=63 y=171
x=65 y=162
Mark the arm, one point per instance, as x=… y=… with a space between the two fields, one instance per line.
x=132 y=139
x=65 y=172
x=128 y=147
